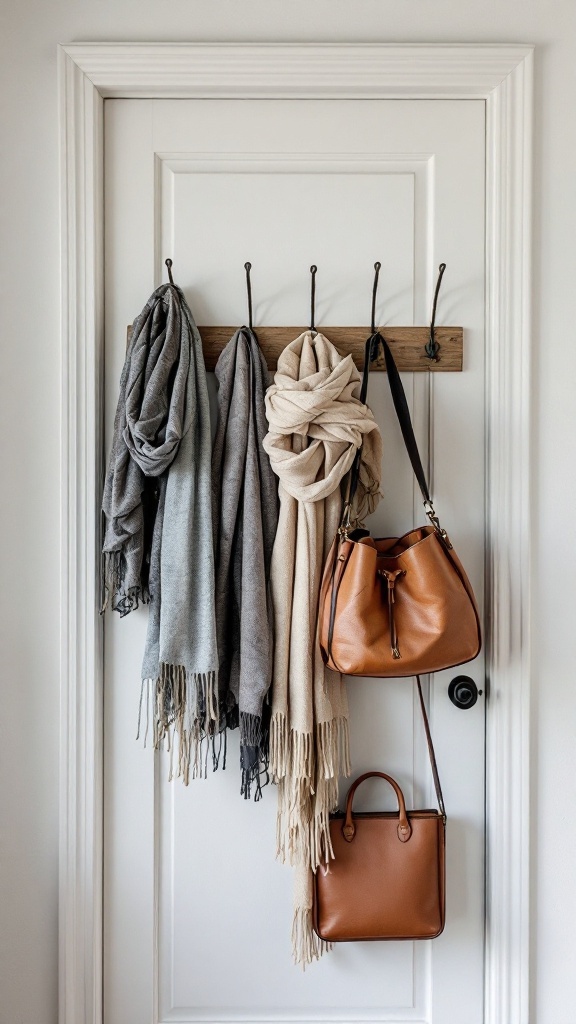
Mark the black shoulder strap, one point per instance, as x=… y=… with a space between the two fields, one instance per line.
x=402 y=412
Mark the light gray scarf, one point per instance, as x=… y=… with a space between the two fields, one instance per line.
x=245 y=516
x=158 y=536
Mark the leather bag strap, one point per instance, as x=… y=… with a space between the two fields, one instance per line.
x=404 y=828
x=431 y=752
x=348 y=829
x=403 y=413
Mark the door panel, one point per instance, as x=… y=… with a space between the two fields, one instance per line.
x=197 y=910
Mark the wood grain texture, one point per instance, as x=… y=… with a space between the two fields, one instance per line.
x=407 y=345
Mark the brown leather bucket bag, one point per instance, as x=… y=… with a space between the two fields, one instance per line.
x=400 y=606
x=387 y=880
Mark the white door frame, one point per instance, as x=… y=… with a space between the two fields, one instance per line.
x=502 y=76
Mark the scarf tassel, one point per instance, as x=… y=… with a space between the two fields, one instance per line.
x=114 y=590
x=183 y=711
x=306 y=946
x=254 y=761
x=307 y=777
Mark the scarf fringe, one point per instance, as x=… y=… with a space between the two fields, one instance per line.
x=122 y=600
x=183 y=707
x=307 y=776
x=306 y=946
x=254 y=756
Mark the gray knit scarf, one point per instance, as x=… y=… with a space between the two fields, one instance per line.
x=245 y=516
x=158 y=535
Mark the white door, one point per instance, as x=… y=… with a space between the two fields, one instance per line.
x=197 y=911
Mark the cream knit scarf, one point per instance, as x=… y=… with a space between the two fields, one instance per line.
x=316 y=424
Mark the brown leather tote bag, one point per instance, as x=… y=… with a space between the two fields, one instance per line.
x=400 y=606
x=387 y=880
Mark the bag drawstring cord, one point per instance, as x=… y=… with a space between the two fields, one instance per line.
x=391 y=577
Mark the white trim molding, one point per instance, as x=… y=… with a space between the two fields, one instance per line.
x=500 y=75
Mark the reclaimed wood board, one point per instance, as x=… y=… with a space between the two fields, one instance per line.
x=407 y=345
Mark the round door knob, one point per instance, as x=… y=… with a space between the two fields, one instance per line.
x=463 y=692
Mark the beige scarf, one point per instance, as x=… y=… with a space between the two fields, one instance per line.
x=316 y=423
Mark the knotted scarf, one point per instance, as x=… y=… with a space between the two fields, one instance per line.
x=245 y=516
x=158 y=521
x=316 y=424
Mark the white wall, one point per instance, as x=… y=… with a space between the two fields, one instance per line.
x=29 y=406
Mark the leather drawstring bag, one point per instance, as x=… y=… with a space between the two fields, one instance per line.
x=400 y=606
x=387 y=880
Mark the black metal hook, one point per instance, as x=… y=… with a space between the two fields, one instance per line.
x=168 y=263
x=377 y=267
x=432 y=347
x=313 y=271
x=248 y=268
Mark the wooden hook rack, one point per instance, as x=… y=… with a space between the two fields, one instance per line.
x=407 y=344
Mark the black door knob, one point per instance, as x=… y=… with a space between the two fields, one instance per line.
x=463 y=692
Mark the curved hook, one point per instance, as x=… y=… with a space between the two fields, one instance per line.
x=313 y=271
x=377 y=267
x=168 y=264
x=248 y=268
x=432 y=348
